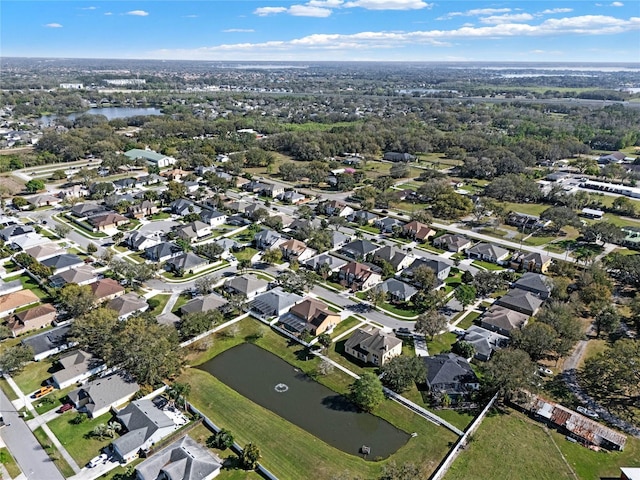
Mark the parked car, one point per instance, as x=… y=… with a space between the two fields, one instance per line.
x=99 y=460
x=402 y=331
x=43 y=391
x=587 y=412
x=545 y=371
x=66 y=407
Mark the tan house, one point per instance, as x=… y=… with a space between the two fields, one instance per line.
x=311 y=315
x=32 y=319
x=12 y=301
x=107 y=221
x=106 y=289
x=296 y=249
x=370 y=345
x=418 y=231
x=532 y=262
x=145 y=209
x=358 y=276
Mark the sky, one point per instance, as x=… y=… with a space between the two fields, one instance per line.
x=316 y=30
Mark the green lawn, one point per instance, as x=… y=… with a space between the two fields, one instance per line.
x=487 y=265
x=441 y=343
x=33 y=375
x=53 y=400
x=345 y=325
x=468 y=320
x=527 y=208
x=53 y=453
x=288 y=451
x=160 y=216
x=9 y=463
x=199 y=273
x=72 y=437
x=510 y=446
x=246 y=254
x=182 y=299
x=29 y=283
x=157 y=303
x=7 y=390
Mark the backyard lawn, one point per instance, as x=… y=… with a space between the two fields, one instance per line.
x=468 y=320
x=72 y=437
x=29 y=283
x=286 y=449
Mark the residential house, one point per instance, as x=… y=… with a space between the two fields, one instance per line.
x=371 y=345
x=592 y=213
x=191 y=186
x=76 y=367
x=440 y=268
x=184 y=207
x=273 y=190
x=452 y=242
x=10 y=286
x=532 y=262
x=106 y=289
x=526 y=222
x=152 y=158
x=252 y=208
x=82 y=275
x=126 y=184
x=43 y=200
x=49 y=342
x=193 y=231
x=237 y=206
x=295 y=249
x=9 y=233
x=128 y=304
x=358 y=249
x=98 y=397
x=27 y=241
x=303 y=224
x=267 y=239
x=213 y=218
x=32 y=319
x=396 y=258
x=398 y=157
x=44 y=251
x=84 y=210
x=146 y=208
x=615 y=157
x=362 y=217
x=145 y=425
x=292 y=197
x=338 y=239
x=254 y=186
x=273 y=303
x=61 y=263
x=521 y=301
x=141 y=240
x=397 y=291
x=186 y=262
x=203 y=304
x=388 y=224
x=358 y=276
x=12 y=301
x=503 y=320
x=248 y=285
x=488 y=252
x=175 y=174
x=151 y=179
x=450 y=374
x=228 y=245
x=536 y=283
x=484 y=341
x=162 y=252
x=335 y=208
x=107 y=221
x=315 y=263
x=310 y=315
x=184 y=459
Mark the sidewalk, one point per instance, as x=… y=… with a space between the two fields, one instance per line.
x=63 y=451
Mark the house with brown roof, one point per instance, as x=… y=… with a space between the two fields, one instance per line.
x=82 y=275
x=358 y=276
x=311 y=315
x=452 y=242
x=295 y=249
x=107 y=221
x=503 y=320
x=106 y=289
x=44 y=251
x=371 y=345
x=418 y=231
x=146 y=208
x=128 y=304
x=32 y=319
x=531 y=262
x=12 y=301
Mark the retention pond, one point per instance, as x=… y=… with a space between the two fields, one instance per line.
x=278 y=386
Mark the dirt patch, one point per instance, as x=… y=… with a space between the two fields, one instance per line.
x=12 y=184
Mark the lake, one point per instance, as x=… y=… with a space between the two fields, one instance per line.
x=109 y=112
x=269 y=381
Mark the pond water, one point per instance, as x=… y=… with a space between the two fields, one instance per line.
x=109 y=112
x=269 y=381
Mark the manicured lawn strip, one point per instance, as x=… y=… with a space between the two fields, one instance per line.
x=246 y=254
x=33 y=375
x=182 y=299
x=487 y=265
x=337 y=354
x=72 y=437
x=7 y=390
x=158 y=302
x=468 y=320
x=199 y=273
x=526 y=208
x=345 y=325
x=160 y=216
x=9 y=463
x=441 y=343
x=510 y=446
x=53 y=453
x=289 y=449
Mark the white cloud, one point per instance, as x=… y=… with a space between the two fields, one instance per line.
x=190 y=16
x=617 y=4
x=308 y=11
x=89 y=8
x=238 y=30
x=389 y=4
x=507 y=18
x=53 y=25
x=138 y=13
x=474 y=13
x=108 y=13
x=264 y=11
x=551 y=11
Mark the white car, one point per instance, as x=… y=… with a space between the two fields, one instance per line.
x=99 y=460
x=587 y=412
x=545 y=371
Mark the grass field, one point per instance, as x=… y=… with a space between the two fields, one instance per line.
x=72 y=437
x=33 y=375
x=53 y=452
x=9 y=463
x=441 y=343
x=286 y=449
x=510 y=446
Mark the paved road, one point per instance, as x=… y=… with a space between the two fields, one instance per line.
x=32 y=459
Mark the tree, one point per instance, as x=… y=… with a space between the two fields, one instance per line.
x=178 y=393
x=244 y=264
x=195 y=323
x=205 y=285
x=13 y=359
x=236 y=302
x=76 y=299
x=424 y=277
x=325 y=367
x=61 y=230
x=117 y=237
x=400 y=170
x=92 y=248
x=401 y=372
x=465 y=294
x=19 y=202
x=561 y=217
x=486 y=283
x=607 y=320
x=604 y=232
x=271 y=256
x=320 y=240
x=221 y=440
x=537 y=339
x=305 y=211
x=34 y=185
x=508 y=371
x=451 y=205
x=406 y=471
x=366 y=392
x=430 y=323
x=464 y=349
x=250 y=457
x=336 y=222
x=324 y=339
x=467 y=277
x=94 y=331
x=376 y=296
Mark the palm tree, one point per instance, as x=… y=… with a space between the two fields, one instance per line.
x=178 y=392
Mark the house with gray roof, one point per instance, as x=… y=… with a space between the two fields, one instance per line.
x=193 y=231
x=484 y=341
x=291 y=197
x=535 y=283
x=387 y=224
x=76 y=367
x=362 y=217
x=8 y=233
x=50 y=342
x=503 y=320
x=396 y=258
x=488 y=252
x=61 y=263
x=184 y=207
x=145 y=425
x=186 y=262
x=83 y=210
x=228 y=245
x=184 y=459
x=141 y=240
x=521 y=301
x=398 y=157
x=338 y=239
x=82 y=275
x=97 y=397
x=44 y=251
x=371 y=345
x=213 y=218
x=358 y=249
x=151 y=157
x=450 y=374
x=202 y=304
x=316 y=262
x=273 y=303
x=398 y=291
x=128 y=304
x=248 y=285
x=440 y=268
x=267 y=239
x=162 y=252
x=452 y=242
